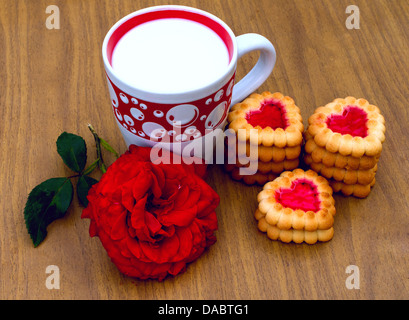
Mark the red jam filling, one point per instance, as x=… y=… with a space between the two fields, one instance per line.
x=270 y=114
x=352 y=121
x=303 y=195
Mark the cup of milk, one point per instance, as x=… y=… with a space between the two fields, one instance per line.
x=171 y=73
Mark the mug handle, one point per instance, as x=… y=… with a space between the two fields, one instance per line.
x=261 y=71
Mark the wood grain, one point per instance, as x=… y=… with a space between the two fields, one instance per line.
x=53 y=81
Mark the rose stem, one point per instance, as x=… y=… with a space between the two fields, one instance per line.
x=98 y=145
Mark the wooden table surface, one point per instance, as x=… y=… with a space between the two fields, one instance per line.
x=53 y=81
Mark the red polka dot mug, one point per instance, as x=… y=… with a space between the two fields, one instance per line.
x=171 y=73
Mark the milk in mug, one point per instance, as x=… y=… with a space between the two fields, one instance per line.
x=170 y=55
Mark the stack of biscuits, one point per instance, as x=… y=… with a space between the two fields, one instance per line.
x=264 y=138
x=343 y=144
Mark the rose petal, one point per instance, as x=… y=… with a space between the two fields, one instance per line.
x=189 y=200
x=137 y=220
x=140 y=154
x=123 y=248
x=161 y=252
x=93 y=229
x=177 y=268
x=119 y=228
x=186 y=244
x=159 y=179
x=167 y=231
x=152 y=223
x=135 y=248
x=173 y=171
x=171 y=188
x=139 y=187
x=181 y=196
x=180 y=218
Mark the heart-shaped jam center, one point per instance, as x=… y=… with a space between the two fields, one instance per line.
x=352 y=121
x=303 y=195
x=270 y=114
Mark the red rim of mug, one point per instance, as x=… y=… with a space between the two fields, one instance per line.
x=137 y=20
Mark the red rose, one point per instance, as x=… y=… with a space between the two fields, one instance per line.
x=152 y=219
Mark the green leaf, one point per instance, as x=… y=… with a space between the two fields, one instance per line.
x=108 y=147
x=73 y=151
x=46 y=203
x=91 y=167
x=83 y=185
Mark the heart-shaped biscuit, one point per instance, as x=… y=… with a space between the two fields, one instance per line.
x=276 y=119
x=297 y=201
x=349 y=126
x=356 y=190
